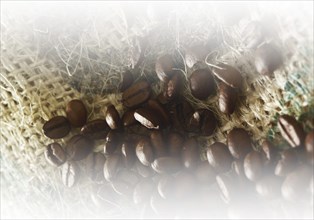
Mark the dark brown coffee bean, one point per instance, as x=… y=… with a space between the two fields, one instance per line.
x=127 y=80
x=228 y=187
x=144 y=152
x=57 y=127
x=137 y=94
x=113 y=118
x=267 y=59
x=158 y=143
x=96 y=129
x=239 y=142
x=204 y=173
x=149 y=118
x=128 y=118
x=76 y=113
x=287 y=163
x=166 y=165
x=309 y=146
x=202 y=83
x=229 y=75
x=69 y=174
x=227 y=98
x=180 y=113
x=291 y=130
x=160 y=110
x=174 y=85
x=269 y=186
x=112 y=142
x=190 y=153
x=144 y=171
x=175 y=143
x=55 y=154
x=166 y=186
x=94 y=167
x=162 y=98
x=253 y=166
x=219 y=157
x=128 y=152
x=295 y=184
x=112 y=166
x=79 y=147
x=203 y=121
x=164 y=67
x=142 y=191
x=269 y=150
x=237 y=168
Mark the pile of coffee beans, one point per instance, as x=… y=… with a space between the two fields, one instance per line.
x=151 y=153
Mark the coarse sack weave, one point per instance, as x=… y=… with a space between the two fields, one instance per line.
x=41 y=73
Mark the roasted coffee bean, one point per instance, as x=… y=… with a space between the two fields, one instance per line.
x=202 y=83
x=69 y=174
x=79 y=147
x=144 y=152
x=253 y=166
x=160 y=110
x=127 y=80
x=291 y=130
x=219 y=157
x=190 y=153
x=269 y=151
x=166 y=186
x=309 y=146
x=162 y=98
x=137 y=94
x=112 y=166
x=287 y=163
x=112 y=142
x=128 y=118
x=267 y=59
x=164 y=67
x=94 y=167
x=180 y=113
x=57 y=127
x=203 y=121
x=128 y=152
x=158 y=143
x=227 y=98
x=269 y=186
x=55 y=154
x=144 y=171
x=113 y=118
x=239 y=142
x=228 y=187
x=197 y=53
x=173 y=86
x=166 y=165
x=149 y=118
x=142 y=191
x=175 y=142
x=295 y=184
x=229 y=75
x=204 y=173
x=128 y=176
x=76 y=113
x=96 y=129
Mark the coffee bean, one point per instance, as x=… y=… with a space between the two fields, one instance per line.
x=144 y=171
x=229 y=75
x=269 y=150
x=204 y=173
x=202 y=84
x=128 y=176
x=239 y=142
x=180 y=113
x=94 y=167
x=142 y=191
x=128 y=118
x=162 y=98
x=79 y=147
x=228 y=187
x=227 y=98
x=269 y=186
x=144 y=152
x=113 y=118
x=253 y=166
x=173 y=86
x=203 y=121
x=55 y=154
x=287 y=163
x=69 y=174
x=96 y=129
x=164 y=66
x=76 y=113
x=148 y=117
x=267 y=59
x=113 y=141
x=137 y=94
x=166 y=165
x=112 y=166
x=291 y=130
x=309 y=146
x=190 y=153
x=219 y=157
x=128 y=152
x=295 y=184
x=166 y=186
x=160 y=111
x=127 y=80
x=175 y=142
x=237 y=168
x=158 y=143
x=57 y=127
